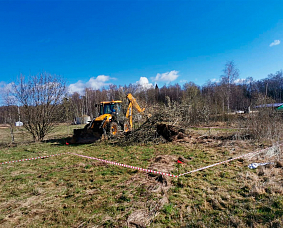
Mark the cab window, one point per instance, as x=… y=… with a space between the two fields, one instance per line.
x=109 y=108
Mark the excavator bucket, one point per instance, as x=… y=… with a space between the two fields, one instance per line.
x=84 y=136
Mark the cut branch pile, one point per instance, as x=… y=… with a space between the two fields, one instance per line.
x=153 y=130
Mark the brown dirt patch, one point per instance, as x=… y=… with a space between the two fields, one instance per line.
x=152 y=184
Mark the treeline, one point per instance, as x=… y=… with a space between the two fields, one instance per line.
x=211 y=99
x=202 y=103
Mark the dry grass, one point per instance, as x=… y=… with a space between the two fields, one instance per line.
x=70 y=191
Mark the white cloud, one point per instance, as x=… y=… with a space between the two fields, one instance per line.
x=144 y=84
x=98 y=82
x=214 y=80
x=166 y=77
x=6 y=91
x=2 y=87
x=6 y=88
x=78 y=87
x=93 y=83
x=242 y=81
x=274 y=43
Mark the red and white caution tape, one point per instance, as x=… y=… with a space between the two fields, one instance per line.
x=30 y=159
x=229 y=160
x=127 y=166
x=142 y=169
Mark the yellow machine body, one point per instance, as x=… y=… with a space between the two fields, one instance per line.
x=109 y=122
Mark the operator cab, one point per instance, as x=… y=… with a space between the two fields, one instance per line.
x=110 y=107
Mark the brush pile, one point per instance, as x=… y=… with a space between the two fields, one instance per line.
x=152 y=131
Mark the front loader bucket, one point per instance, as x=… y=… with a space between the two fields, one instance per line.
x=83 y=136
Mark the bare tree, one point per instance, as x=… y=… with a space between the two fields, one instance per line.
x=11 y=112
x=231 y=73
x=40 y=97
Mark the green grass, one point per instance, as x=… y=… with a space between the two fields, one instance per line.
x=71 y=191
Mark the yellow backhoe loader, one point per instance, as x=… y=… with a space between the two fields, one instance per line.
x=110 y=122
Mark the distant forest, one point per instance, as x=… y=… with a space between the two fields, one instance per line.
x=202 y=103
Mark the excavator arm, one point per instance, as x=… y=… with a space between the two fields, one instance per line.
x=132 y=103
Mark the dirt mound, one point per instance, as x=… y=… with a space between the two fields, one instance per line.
x=170 y=132
x=153 y=131
x=163 y=163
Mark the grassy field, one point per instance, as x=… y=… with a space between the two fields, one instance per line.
x=71 y=191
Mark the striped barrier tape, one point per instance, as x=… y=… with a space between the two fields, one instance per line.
x=142 y=169
x=229 y=160
x=127 y=166
x=30 y=159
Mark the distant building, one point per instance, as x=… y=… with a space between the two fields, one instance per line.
x=280 y=108
x=19 y=124
x=82 y=120
x=276 y=106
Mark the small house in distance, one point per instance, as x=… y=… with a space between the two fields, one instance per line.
x=19 y=124
x=276 y=106
x=82 y=120
x=280 y=108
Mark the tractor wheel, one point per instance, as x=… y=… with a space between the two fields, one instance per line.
x=127 y=126
x=113 y=130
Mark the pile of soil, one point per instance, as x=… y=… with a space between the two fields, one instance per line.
x=170 y=132
x=153 y=130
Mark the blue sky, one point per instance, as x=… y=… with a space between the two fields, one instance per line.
x=94 y=43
